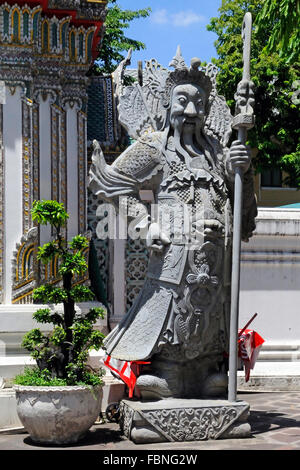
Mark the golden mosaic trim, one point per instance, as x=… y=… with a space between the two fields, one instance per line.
x=55 y=153
x=25 y=267
x=26 y=162
x=81 y=123
x=63 y=162
x=36 y=150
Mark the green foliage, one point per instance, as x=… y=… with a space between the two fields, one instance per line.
x=33 y=376
x=284 y=15
x=88 y=377
x=79 y=243
x=276 y=134
x=84 y=337
x=47 y=252
x=49 y=212
x=58 y=336
x=62 y=354
x=49 y=294
x=95 y=313
x=291 y=164
x=73 y=263
x=81 y=293
x=33 y=341
x=115 y=42
x=45 y=315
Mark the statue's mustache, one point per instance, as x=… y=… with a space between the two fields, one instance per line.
x=179 y=123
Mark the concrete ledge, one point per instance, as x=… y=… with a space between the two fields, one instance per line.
x=270 y=383
x=8 y=410
x=272 y=375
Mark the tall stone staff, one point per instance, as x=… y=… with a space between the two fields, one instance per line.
x=243 y=120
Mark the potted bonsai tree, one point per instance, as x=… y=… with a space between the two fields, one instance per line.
x=60 y=398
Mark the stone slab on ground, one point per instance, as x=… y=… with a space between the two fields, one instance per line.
x=181 y=420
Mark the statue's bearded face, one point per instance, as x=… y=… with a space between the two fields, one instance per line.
x=187 y=107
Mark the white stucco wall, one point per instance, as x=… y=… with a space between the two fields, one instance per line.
x=270 y=278
x=13 y=215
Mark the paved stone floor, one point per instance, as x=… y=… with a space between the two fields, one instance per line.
x=274 y=419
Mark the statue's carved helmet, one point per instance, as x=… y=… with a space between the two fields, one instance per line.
x=182 y=74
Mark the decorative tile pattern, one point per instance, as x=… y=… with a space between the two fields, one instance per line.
x=137 y=258
x=101 y=246
x=27 y=163
x=82 y=158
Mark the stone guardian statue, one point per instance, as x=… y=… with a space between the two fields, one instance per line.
x=180 y=320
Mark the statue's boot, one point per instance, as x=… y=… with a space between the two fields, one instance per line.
x=203 y=379
x=215 y=385
x=195 y=378
x=163 y=380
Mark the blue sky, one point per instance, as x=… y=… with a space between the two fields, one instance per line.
x=173 y=22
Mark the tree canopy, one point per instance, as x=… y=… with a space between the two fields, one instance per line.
x=274 y=70
x=284 y=15
x=115 y=42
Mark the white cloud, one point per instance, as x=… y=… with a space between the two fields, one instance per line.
x=185 y=18
x=181 y=19
x=160 y=16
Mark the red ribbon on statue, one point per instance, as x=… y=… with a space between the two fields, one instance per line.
x=124 y=370
x=249 y=345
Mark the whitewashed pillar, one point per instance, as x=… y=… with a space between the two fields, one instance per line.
x=72 y=167
x=13 y=187
x=45 y=171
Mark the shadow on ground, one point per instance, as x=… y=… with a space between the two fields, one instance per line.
x=263 y=421
x=96 y=436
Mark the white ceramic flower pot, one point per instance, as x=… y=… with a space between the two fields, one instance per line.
x=58 y=415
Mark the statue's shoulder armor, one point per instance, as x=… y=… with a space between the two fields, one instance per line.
x=142 y=159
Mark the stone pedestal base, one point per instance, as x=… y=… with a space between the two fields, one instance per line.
x=183 y=420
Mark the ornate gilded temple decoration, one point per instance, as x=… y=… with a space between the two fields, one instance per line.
x=28 y=272
x=59 y=28
x=25 y=268
x=46 y=50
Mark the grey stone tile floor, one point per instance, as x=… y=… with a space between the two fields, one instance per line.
x=274 y=419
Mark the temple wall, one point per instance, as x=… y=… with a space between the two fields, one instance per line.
x=270 y=286
x=270 y=276
x=13 y=195
x=43 y=156
x=45 y=53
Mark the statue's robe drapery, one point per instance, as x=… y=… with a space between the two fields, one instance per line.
x=185 y=301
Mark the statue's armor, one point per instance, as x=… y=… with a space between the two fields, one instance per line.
x=185 y=300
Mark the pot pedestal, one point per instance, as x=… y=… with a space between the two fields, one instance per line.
x=181 y=420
